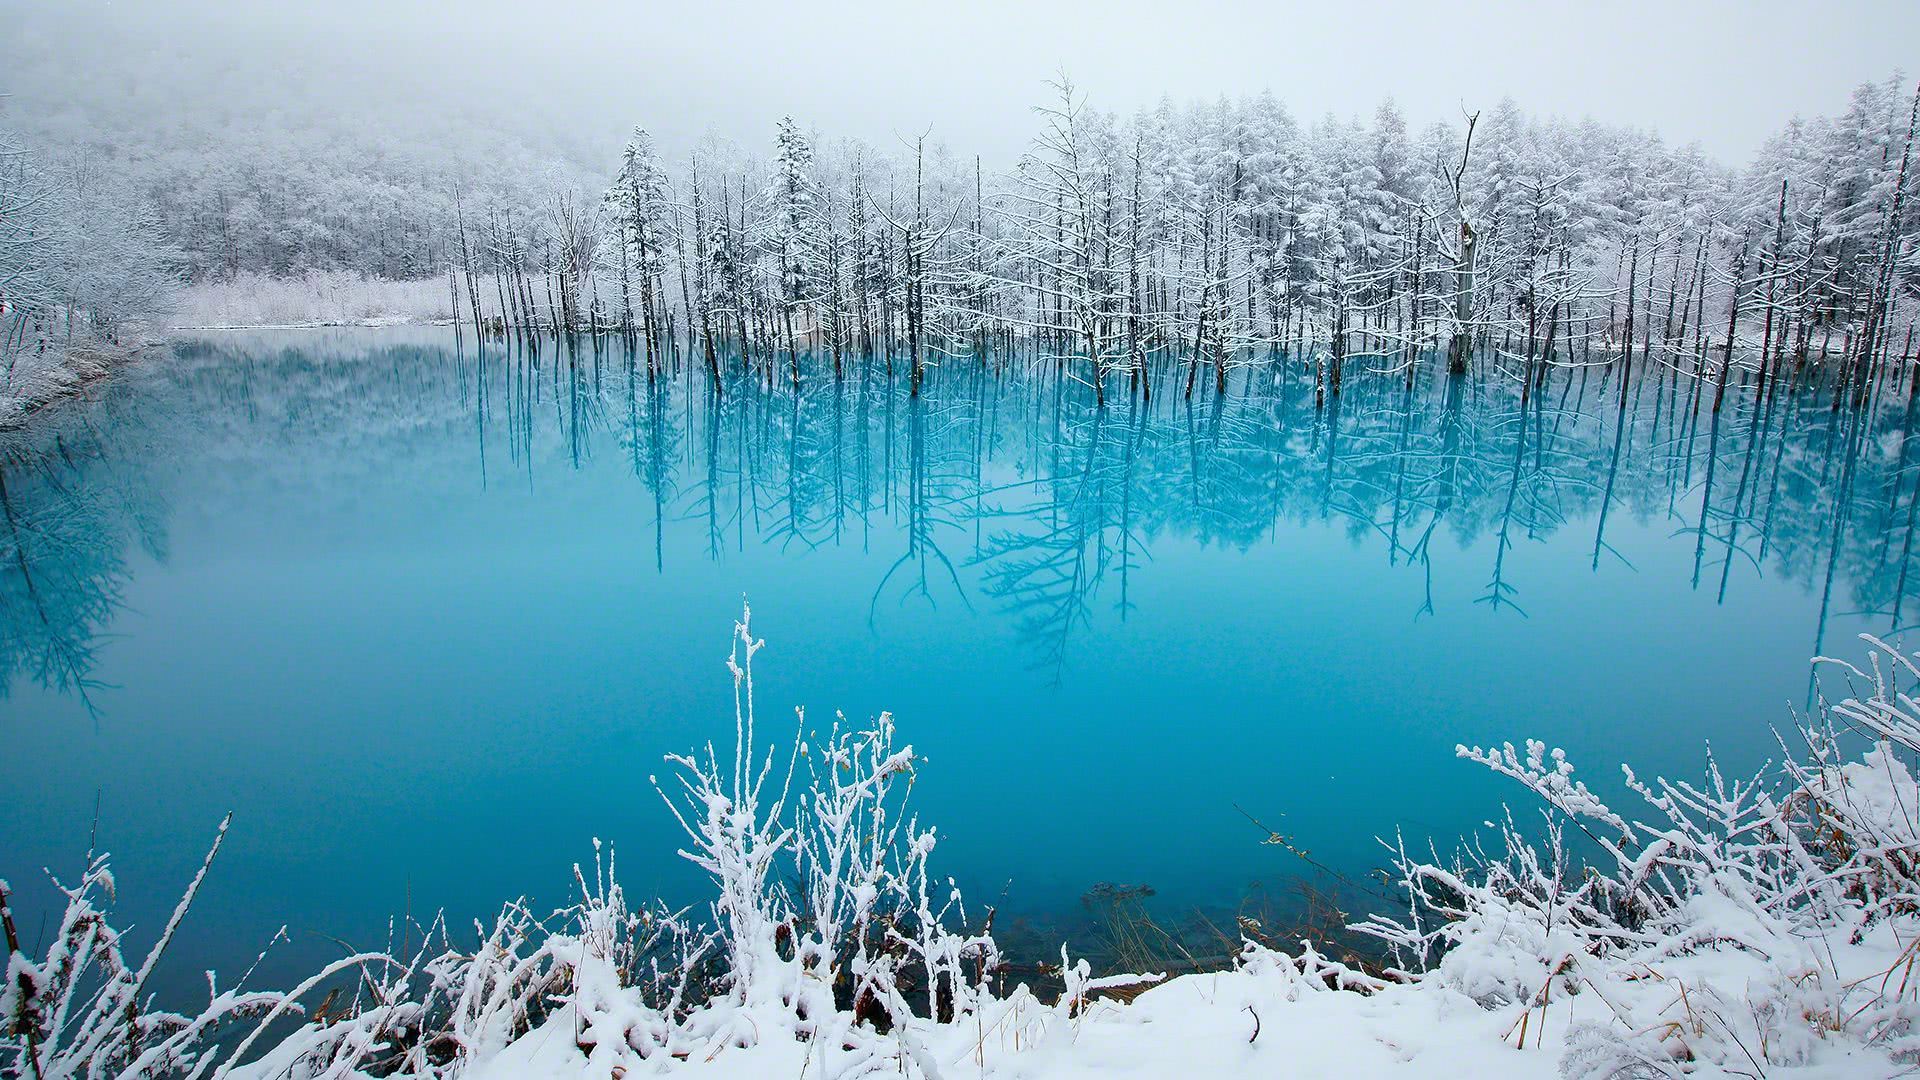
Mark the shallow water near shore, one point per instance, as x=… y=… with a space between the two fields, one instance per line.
x=426 y=621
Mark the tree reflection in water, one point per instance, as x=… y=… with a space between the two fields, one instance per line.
x=1002 y=487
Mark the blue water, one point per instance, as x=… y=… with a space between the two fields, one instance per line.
x=426 y=622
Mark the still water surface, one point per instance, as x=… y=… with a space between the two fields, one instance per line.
x=426 y=622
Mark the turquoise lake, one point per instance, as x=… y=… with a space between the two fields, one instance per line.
x=426 y=622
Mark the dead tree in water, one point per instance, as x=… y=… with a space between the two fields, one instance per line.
x=703 y=309
x=1733 y=321
x=1768 y=270
x=1875 y=329
x=918 y=240
x=1058 y=216
x=1462 y=341
x=466 y=265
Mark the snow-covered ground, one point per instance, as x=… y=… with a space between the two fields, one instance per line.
x=318 y=298
x=1751 y=927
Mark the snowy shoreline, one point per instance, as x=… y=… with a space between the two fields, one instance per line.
x=1747 y=926
x=315 y=325
x=70 y=372
x=319 y=298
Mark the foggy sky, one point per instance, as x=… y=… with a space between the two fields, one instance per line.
x=1723 y=73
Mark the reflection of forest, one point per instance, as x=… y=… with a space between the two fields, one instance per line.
x=70 y=513
x=1005 y=489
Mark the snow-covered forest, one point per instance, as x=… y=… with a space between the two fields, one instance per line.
x=85 y=267
x=1225 y=234
x=1195 y=239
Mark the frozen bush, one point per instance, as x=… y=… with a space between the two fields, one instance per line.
x=1751 y=923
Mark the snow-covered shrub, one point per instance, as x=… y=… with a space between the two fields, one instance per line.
x=865 y=954
x=1750 y=923
x=617 y=978
x=81 y=1010
x=828 y=932
x=851 y=964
